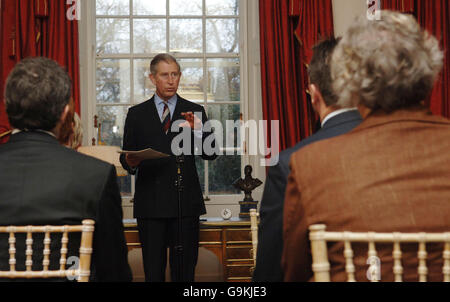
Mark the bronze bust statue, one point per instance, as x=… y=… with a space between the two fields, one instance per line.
x=248 y=185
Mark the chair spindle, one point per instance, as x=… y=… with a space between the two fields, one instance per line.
x=86 y=250
x=64 y=250
x=446 y=269
x=12 y=249
x=47 y=242
x=320 y=266
x=397 y=255
x=373 y=269
x=348 y=254
x=29 y=251
x=422 y=255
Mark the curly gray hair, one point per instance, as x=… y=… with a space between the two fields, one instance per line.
x=388 y=64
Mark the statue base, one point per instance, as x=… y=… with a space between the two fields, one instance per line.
x=246 y=206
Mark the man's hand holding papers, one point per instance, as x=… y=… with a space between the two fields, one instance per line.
x=134 y=158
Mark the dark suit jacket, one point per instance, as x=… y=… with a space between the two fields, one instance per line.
x=390 y=174
x=44 y=183
x=156 y=193
x=270 y=234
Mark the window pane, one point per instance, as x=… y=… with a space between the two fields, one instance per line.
x=200 y=163
x=113 y=36
x=113 y=7
x=112 y=121
x=186 y=35
x=191 y=83
x=113 y=81
x=125 y=185
x=222 y=35
x=224 y=82
x=222 y=7
x=183 y=7
x=218 y=81
x=143 y=87
x=149 y=35
x=152 y=7
x=223 y=172
x=228 y=116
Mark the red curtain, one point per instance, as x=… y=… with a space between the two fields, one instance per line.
x=4 y=125
x=315 y=23
x=284 y=61
x=405 y=6
x=435 y=17
x=37 y=28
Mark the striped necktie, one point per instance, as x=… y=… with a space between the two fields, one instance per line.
x=166 y=118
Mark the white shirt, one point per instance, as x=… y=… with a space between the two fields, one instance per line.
x=15 y=131
x=172 y=104
x=334 y=113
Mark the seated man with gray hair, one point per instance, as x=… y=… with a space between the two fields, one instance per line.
x=391 y=173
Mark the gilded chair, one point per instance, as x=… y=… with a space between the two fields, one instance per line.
x=321 y=267
x=254 y=233
x=4 y=134
x=80 y=273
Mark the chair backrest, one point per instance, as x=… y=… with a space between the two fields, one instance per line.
x=81 y=274
x=254 y=231
x=5 y=133
x=321 y=267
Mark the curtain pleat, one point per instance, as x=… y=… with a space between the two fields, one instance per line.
x=31 y=28
x=284 y=60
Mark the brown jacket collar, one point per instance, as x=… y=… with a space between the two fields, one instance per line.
x=418 y=114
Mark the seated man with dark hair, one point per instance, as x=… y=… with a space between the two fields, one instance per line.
x=45 y=183
x=335 y=120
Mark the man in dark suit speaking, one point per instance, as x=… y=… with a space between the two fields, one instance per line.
x=154 y=124
x=335 y=121
x=45 y=183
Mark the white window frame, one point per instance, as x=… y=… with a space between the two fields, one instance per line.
x=251 y=102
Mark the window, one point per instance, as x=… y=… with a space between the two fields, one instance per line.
x=204 y=35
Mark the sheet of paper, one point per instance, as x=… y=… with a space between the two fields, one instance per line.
x=146 y=154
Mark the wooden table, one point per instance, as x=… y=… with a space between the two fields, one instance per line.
x=229 y=240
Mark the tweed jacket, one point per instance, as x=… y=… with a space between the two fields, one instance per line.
x=390 y=174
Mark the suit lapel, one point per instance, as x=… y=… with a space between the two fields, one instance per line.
x=154 y=121
x=153 y=117
x=180 y=108
x=154 y=134
x=152 y=111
